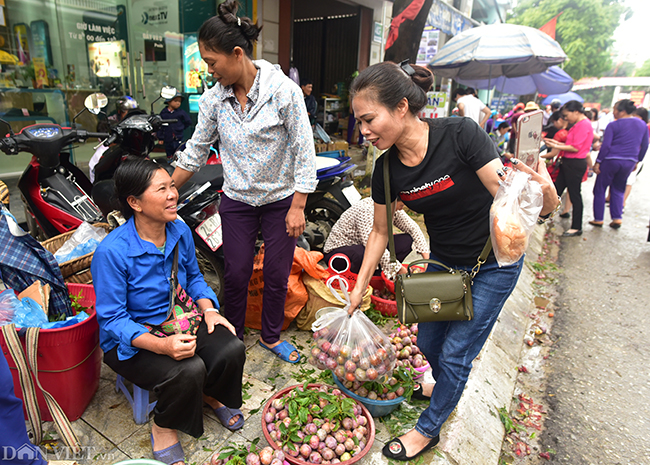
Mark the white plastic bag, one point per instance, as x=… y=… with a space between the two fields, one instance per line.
x=84 y=241
x=513 y=216
x=351 y=345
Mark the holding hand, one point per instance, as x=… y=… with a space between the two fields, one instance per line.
x=541 y=175
x=179 y=346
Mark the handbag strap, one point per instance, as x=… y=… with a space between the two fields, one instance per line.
x=61 y=421
x=389 y=223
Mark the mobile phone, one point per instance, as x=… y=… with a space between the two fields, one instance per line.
x=529 y=137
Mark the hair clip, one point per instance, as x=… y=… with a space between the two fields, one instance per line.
x=408 y=69
x=238 y=21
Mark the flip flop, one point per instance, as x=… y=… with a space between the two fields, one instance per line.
x=170 y=455
x=225 y=414
x=395 y=450
x=283 y=350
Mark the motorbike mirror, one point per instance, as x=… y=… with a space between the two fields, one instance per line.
x=95 y=102
x=11 y=131
x=168 y=92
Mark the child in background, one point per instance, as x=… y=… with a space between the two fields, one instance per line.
x=172 y=135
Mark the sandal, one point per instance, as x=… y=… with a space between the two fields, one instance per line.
x=283 y=350
x=598 y=224
x=225 y=414
x=395 y=450
x=417 y=393
x=172 y=454
x=615 y=225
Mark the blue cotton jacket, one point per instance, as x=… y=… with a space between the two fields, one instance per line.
x=131 y=278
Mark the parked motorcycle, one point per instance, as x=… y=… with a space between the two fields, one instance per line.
x=199 y=198
x=54 y=190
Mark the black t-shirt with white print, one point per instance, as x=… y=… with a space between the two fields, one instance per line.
x=446 y=188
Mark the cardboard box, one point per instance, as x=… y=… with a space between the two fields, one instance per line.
x=341 y=145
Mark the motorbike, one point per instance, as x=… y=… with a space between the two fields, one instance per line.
x=54 y=190
x=199 y=198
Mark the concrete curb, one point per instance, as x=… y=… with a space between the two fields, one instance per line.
x=473 y=435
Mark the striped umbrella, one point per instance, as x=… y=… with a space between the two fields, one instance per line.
x=488 y=52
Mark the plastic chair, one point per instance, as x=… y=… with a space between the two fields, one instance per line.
x=139 y=401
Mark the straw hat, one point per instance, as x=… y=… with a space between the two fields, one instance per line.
x=531 y=106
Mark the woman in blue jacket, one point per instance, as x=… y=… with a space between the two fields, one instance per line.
x=131 y=272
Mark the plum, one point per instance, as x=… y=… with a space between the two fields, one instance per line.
x=372 y=395
x=360 y=374
x=274 y=435
x=270 y=427
x=364 y=363
x=355 y=355
x=345 y=457
x=278 y=404
x=345 y=350
x=252 y=459
x=215 y=460
x=346 y=423
x=350 y=376
x=336 y=392
x=331 y=442
x=328 y=454
x=371 y=374
x=362 y=420
x=278 y=454
x=277 y=462
x=350 y=366
x=349 y=444
x=311 y=428
x=391 y=396
x=334 y=350
x=331 y=364
x=266 y=455
x=321 y=433
x=282 y=414
x=305 y=450
x=339 y=450
x=314 y=441
x=339 y=371
x=327 y=427
x=340 y=436
x=399 y=391
x=292 y=452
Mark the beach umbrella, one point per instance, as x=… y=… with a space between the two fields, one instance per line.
x=563 y=98
x=487 y=52
x=552 y=81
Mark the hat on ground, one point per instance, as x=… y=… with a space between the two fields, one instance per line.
x=531 y=106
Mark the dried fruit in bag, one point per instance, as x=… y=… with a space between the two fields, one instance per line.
x=351 y=345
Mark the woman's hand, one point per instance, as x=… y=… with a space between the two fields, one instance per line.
x=295 y=221
x=596 y=168
x=179 y=346
x=544 y=179
x=213 y=319
x=356 y=297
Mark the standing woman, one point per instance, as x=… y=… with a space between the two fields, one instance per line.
x=574 y=152
x=624 y=145
x=258 y=116
x=448 y=169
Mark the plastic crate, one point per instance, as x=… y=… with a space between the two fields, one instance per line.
x=384 y=306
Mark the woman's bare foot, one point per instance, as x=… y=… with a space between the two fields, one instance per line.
x=293 y=356
x=215 y=404
x=163 y=438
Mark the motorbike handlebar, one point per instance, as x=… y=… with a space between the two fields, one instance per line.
x=98 y=135
x=167 y=121
x=112 y=138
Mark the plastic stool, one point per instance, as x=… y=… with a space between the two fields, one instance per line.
x=139 y=401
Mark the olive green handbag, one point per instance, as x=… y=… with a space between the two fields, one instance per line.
x=432 y=295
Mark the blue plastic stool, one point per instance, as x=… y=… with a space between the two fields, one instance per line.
x=139 y=401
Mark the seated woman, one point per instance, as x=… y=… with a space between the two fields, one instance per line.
x=349 y=236
x=131 y=271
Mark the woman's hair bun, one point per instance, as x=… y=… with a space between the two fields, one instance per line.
x=423 y=77
x=226 y=31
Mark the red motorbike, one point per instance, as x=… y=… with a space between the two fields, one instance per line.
x=54 y=190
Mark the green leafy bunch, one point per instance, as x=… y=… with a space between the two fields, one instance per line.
x=236 y=454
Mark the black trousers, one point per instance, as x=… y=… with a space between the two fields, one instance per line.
x=403 y=245
x=215 y=370
x=572 y=170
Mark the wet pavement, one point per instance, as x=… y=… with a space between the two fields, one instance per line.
x=595 y=382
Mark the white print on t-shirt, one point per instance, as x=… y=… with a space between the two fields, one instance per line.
x=427 y=189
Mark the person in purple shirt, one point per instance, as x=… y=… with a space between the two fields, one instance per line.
x=624 y=145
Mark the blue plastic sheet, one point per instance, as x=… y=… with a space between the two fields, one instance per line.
x=78 y=251
x=72 y=320
x=25 y=313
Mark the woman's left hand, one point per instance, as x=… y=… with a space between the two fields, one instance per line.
x=544 y=179
x=295 y=221
x=213 y=319
x=596 y=168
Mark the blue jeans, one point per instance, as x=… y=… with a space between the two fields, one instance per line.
x=451 y=346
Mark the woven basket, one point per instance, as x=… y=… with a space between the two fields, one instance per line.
x=77 y=270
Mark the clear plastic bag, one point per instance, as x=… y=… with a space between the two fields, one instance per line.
x=513 y=216
x=84 y=241
x=25 y=313
x=351 y=345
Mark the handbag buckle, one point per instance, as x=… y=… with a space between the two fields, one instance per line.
x=435 y=305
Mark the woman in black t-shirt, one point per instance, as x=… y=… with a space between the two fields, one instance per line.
x=448 y=169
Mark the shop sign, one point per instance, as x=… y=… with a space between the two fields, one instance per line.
x=504 y=103
x=436 y=106
x=637 y=97
x=378 y=33
x=93 y=32
x=155 y=16
x=447 y=19
x=428 y=45
x=40 y=72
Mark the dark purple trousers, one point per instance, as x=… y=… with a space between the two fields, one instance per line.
x=613 y=174
x=241 y=223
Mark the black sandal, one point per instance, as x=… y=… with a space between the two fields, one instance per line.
x=417 y=393
x=395 y=450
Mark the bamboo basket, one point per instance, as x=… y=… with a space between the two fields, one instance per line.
x=77 y=270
